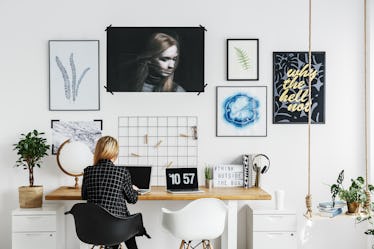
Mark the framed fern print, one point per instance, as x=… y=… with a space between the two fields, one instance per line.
x=242 y=59
x=74 y=75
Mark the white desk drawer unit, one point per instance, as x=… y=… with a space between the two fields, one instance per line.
x=268 y=229
x=38 y=228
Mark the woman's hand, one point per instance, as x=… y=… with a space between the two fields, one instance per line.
x=135 y=187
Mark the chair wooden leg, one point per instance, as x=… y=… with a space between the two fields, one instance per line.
x=189 y=245
x=182 y=245
x=210 y=245
x=203 y=242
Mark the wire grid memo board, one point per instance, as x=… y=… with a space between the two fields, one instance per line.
x=158 y=141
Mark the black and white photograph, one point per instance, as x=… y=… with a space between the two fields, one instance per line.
x=87 y=132
x=155 y=59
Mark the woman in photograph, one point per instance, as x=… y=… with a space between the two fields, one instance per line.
x=107 y=185
x=157 y=64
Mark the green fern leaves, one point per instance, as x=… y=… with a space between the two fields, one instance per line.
x=242 y=58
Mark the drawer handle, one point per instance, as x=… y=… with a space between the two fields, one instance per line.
x=276 y=216
x=275 y=234
x=33 y=234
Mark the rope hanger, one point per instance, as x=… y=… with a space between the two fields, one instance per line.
x=308 y=198
x=367 y=192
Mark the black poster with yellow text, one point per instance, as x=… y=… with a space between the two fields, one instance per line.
x=291 y=91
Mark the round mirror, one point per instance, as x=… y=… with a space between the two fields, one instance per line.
x=73 y=157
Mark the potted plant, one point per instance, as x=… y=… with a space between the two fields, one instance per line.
x=208 y=177
x=31 y=149
x=355 y=195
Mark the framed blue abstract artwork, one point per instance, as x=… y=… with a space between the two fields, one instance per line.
x=74 y=75
x=241 y=111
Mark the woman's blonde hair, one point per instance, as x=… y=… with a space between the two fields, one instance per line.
x=158 y=43
x=106 y=148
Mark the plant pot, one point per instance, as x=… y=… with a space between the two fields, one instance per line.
x=353 y=207
x=30 y=197
x=208 y=183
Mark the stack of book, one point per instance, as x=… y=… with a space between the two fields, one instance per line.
x=327 y=209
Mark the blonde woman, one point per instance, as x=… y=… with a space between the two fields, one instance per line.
x=107 y=185
x=157 y=64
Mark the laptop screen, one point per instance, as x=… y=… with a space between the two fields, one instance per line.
x=140 y=176
x=181 y=178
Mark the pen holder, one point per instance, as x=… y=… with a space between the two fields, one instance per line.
x=257 y=182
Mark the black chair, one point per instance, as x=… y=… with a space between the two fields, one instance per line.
x=96 y=226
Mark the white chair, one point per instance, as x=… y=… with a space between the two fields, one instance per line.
x=203 y=220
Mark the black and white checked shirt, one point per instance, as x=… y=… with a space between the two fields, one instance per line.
x=109 y=186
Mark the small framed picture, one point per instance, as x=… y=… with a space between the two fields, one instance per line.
x=87 y=132
x=74 y=75
x=242 y=59
x=241 y=111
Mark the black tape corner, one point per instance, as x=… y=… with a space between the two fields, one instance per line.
x=108 y=90
x=54 y=120
x=201 y=26
x=108 y=27
x=204 y=89
x=100 y=121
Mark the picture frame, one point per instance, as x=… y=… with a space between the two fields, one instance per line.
x=290 y=87
x=87 y=132
x=74 y=75
x=155 y=59
x=241 y=111
x=242 y=59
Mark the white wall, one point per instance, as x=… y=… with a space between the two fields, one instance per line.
x=26 y=27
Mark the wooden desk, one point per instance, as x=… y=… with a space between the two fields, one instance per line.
x=230 y=195
x=159 y=193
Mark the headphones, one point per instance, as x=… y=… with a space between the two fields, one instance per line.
x=257 y=167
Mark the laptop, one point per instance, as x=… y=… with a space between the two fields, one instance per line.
x=141 y=177
x=182 y=181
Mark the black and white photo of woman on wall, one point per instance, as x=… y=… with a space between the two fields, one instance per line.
x=152 y=59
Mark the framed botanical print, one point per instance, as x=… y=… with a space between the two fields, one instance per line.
x=242 y=59
x=241 y=111
x=74 y=75
x=291 y=103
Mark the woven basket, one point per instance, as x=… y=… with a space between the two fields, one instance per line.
x=30 y=197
